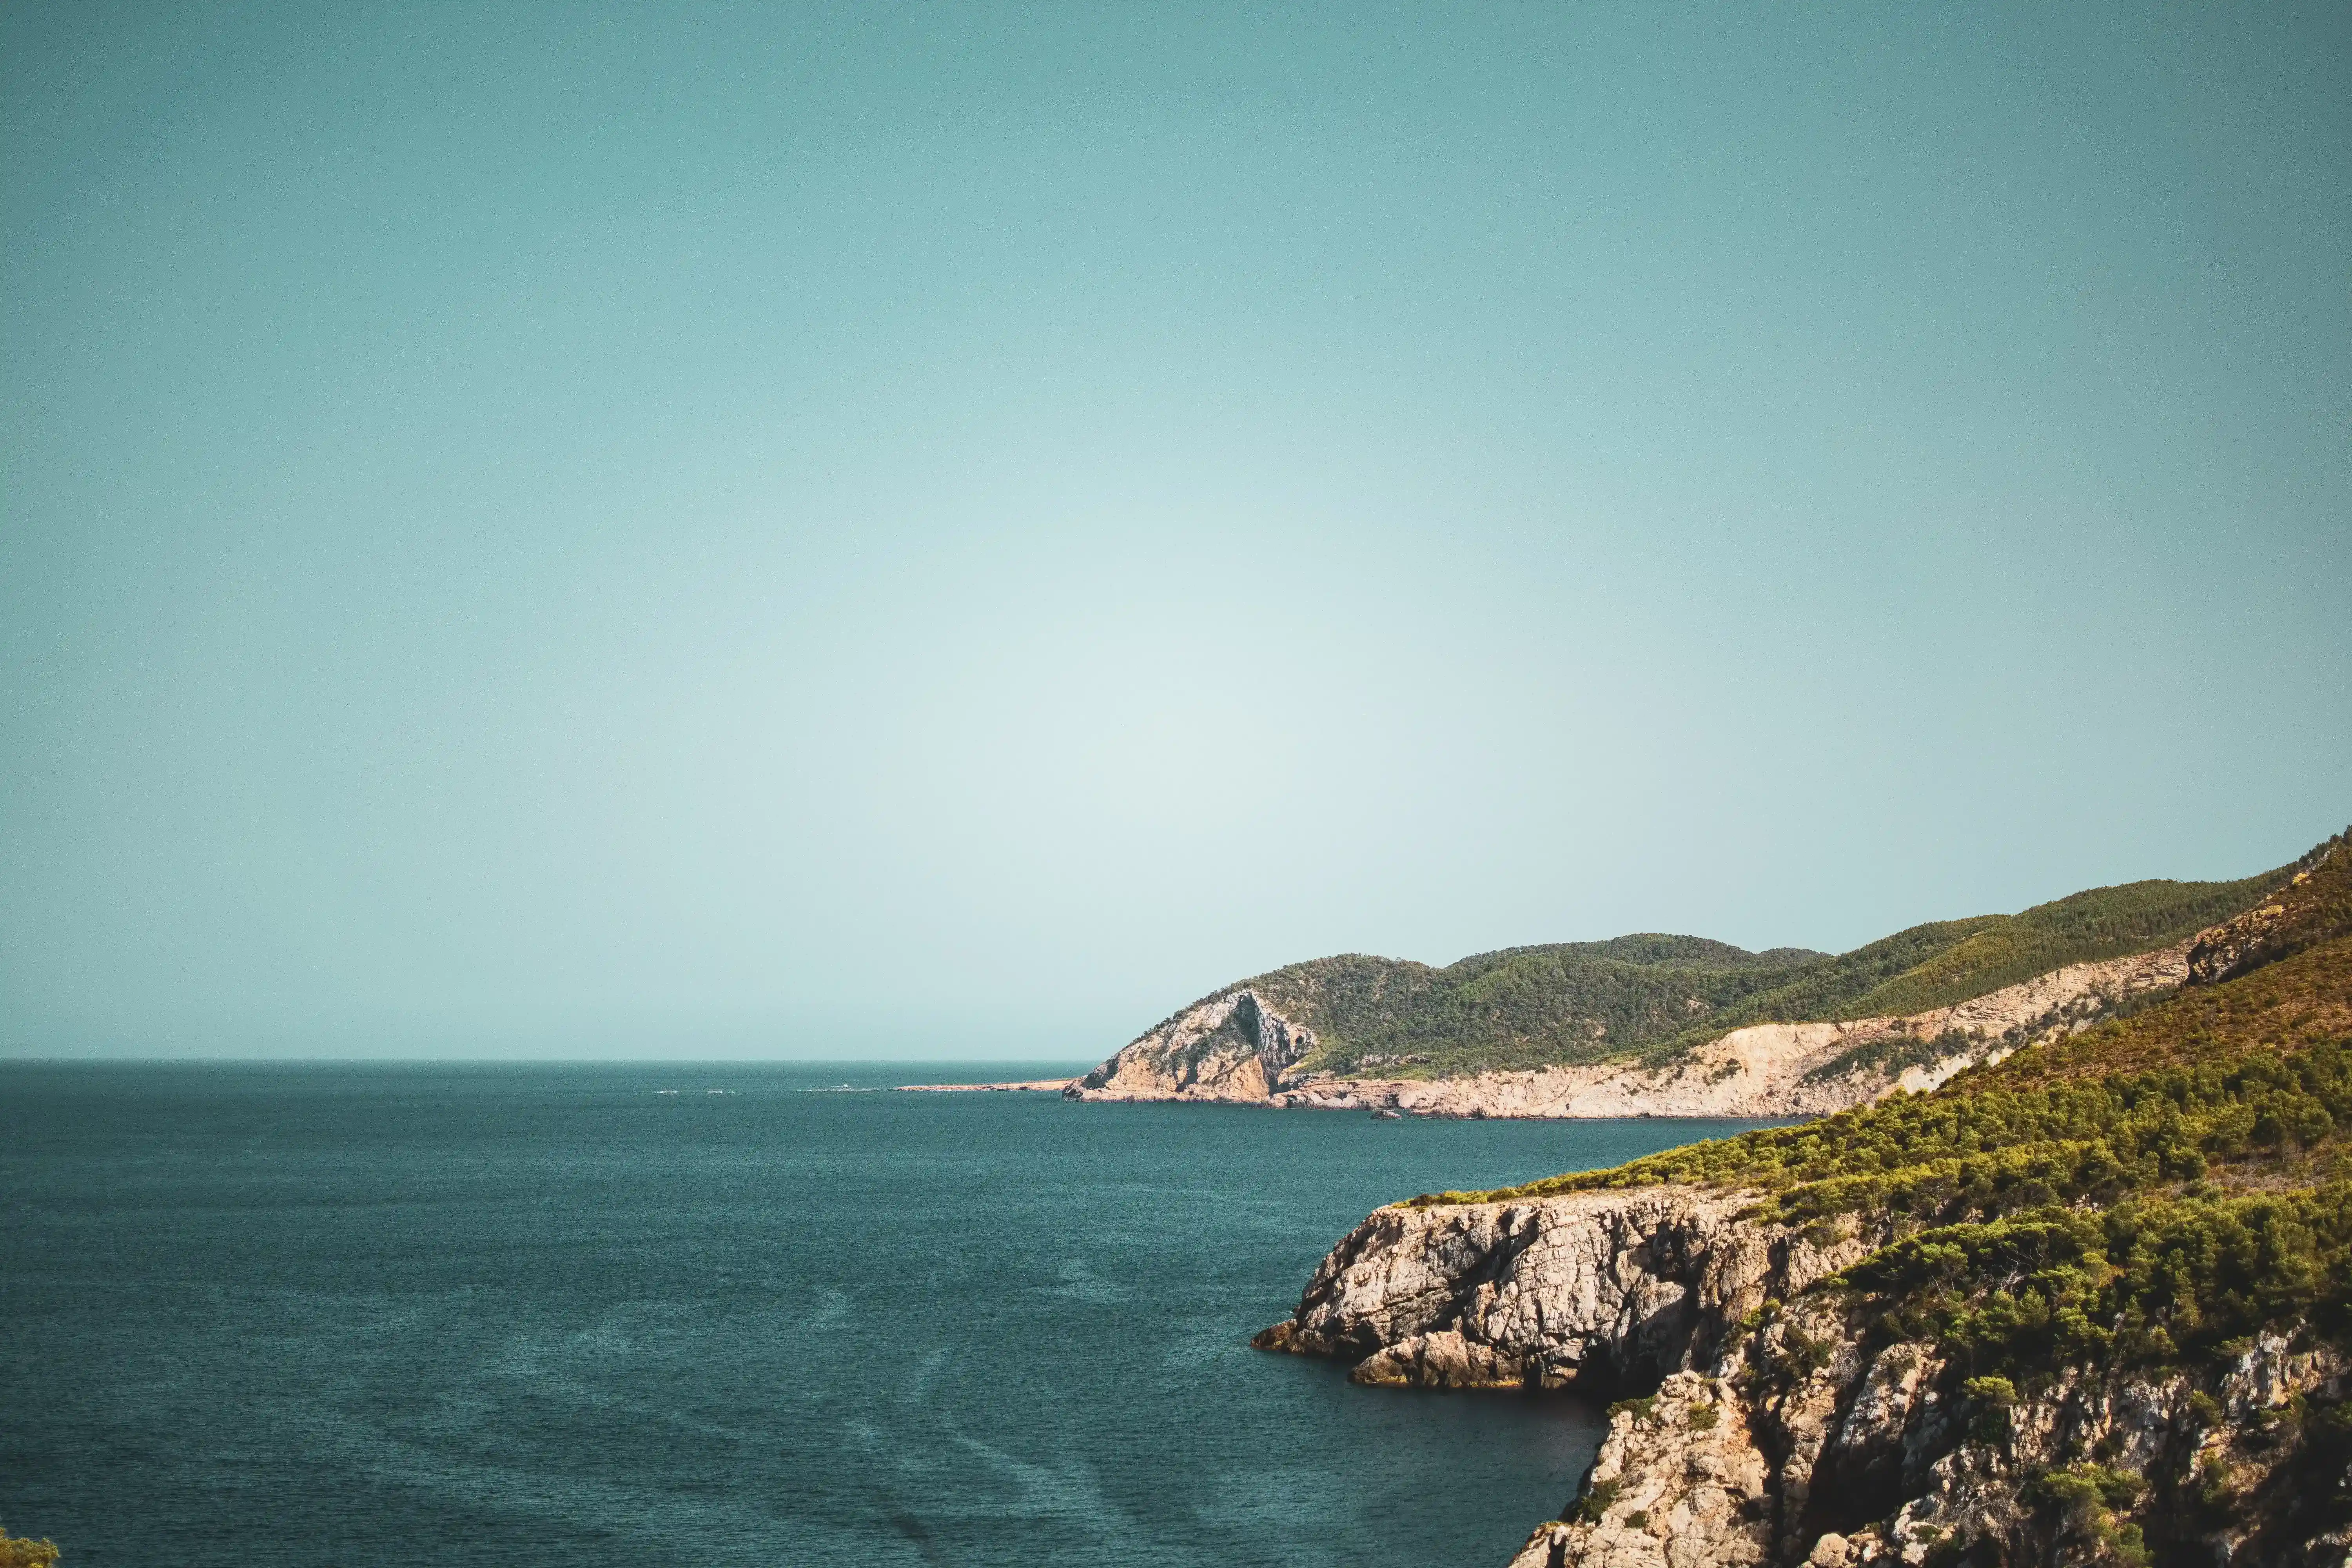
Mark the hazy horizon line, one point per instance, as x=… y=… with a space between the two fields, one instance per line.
x=860 y=1062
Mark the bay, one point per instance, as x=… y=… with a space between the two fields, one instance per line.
x=772 y=1314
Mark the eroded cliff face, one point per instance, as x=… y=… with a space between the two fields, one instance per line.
x=1238 y=1046
x=1782 y=1435
x=1876 y=1459
x=1605 y=1288
x=1233 y=1047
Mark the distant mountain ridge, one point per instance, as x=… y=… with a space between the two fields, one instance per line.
x=1650 y=999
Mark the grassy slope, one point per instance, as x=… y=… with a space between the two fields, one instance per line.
x=1658 y=995
x=2149 y=1192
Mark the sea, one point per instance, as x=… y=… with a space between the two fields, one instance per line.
x=337 y=1316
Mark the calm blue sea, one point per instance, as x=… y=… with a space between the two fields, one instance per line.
x=537 y=1315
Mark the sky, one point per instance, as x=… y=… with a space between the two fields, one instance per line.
x=950 y=532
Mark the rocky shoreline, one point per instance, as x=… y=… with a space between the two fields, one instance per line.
x=1768 y=1429
x=2085 y=1307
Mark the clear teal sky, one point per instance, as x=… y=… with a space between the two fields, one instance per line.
x=672 y=529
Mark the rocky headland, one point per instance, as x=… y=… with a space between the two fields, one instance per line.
x=1766 y=1422
x=1239 y=1049
x=1678 y=1025
x=2089 y=1303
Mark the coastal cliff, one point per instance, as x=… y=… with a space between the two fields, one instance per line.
x=1768 y=1433
x=1600 y=1290
x=2089 y=1303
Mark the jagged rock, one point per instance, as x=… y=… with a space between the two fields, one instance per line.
x=1607 y=1286
x=1446 y=1360
x=1233 y=1047
x=1883 y=1445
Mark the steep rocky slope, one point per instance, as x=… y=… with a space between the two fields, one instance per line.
x=1671 y=1026
x=2088 y=1304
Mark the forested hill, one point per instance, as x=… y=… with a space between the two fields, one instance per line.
x=1654 y=996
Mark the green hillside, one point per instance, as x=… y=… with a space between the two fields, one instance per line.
x=1655 y=995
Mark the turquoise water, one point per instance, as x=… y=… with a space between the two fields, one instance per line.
x=526 y=1315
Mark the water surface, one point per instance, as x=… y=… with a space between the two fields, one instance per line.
x=539 y=1315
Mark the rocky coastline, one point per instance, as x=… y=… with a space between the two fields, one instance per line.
x=1238 y=1047
x=1767 y=1426
x=2086 y=1305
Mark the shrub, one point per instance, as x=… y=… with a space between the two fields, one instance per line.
x=18 y=1551
x=1994 y=1397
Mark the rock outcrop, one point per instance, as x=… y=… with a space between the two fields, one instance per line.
x=2290 y=920
x=1786 y=1435
x=1876 y=1459
x=1603 y=1289
x=1232 y=1047
x=1237 y=1047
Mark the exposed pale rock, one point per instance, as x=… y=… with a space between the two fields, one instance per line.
x=1231 y=1048
x=1630 y=1284
x=1445 y=1360
x=1685 y=1494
